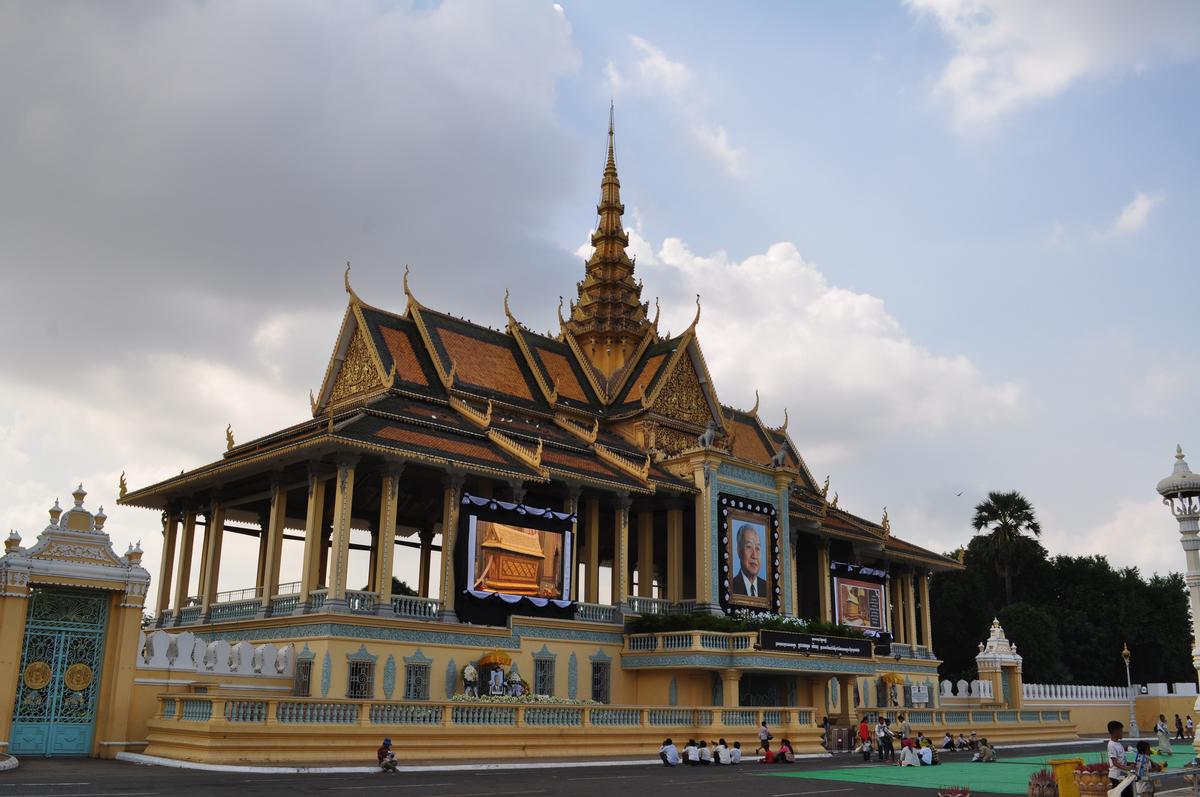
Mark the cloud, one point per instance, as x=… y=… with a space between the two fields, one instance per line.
x=1134 y=216
x=654 y=75
x=1120 y=538
x=715 y=141
x=846 y=369
x=1010 y=55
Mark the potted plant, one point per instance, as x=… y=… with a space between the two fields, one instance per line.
x=954 y=791
x=1092 y=779
x=1043 y=784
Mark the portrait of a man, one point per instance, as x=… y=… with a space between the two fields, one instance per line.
x=750 y=576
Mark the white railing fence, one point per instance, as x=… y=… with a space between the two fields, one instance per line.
x=184 y=652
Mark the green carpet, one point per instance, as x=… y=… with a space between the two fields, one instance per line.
x=1006 y=776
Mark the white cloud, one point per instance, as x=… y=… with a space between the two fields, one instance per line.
x=1008 y=55
x=1134 y=216
x=1140 y=533
x=655 y=75
x=846 y=369
x=715 y=141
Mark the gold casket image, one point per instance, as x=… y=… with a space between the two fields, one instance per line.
x=511 y=559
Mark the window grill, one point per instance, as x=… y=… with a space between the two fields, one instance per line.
x=600 y=681
x=416 y=682
x=362 y=680
x=543 y=676
x=302 y=683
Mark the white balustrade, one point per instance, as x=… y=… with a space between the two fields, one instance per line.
x=183 y=652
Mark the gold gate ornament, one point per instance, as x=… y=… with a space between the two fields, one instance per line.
x=78 y=677
x=37 y=675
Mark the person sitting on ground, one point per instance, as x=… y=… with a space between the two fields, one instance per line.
x=706 y=756
x=785 y=755
x=669 y=753
x=908 y=756
x=973 y=741
x=947 y=741
x=984 y=753
x=385 y=756
x=691 y=753
x=720 y=752
x=735 y=755
x=961 y=742
x=920 y=739
x=927 y=754
x=768 y=756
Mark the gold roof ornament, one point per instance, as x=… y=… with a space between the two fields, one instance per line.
x=754 y=409
x=229 y=437
x=122 y=486
x=834 y=502
x=886 y=524
x=783 y=429
x=346 y=282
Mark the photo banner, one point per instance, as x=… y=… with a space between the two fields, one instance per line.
x=860 y=604
x=749 y=551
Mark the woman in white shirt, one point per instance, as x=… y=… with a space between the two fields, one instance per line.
x=720 y=752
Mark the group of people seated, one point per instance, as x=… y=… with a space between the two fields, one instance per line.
x=700 y=753
x=961 y=743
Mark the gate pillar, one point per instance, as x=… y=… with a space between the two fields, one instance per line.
x=67 y=674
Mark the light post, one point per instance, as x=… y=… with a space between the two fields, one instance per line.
x=1181 y=493
x=1133 y=728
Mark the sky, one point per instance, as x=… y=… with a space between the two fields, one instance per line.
x=953 y=238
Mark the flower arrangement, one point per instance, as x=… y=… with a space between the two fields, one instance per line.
x=1042 y=784
x=739 y=620
x=954 y=791
x=1092 y=778
x=544 y=700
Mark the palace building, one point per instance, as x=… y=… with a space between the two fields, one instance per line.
x=574 y=504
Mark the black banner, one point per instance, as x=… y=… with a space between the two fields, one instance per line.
x=787 y=642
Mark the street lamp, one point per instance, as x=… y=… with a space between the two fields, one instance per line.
x=1133 y=728
x=1181 y=493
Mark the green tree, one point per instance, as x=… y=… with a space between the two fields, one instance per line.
x=1035 y=632
x=1008 y=516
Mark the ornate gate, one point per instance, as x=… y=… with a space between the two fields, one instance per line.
x=55 y=713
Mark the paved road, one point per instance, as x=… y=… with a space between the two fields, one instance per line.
x=95 y=778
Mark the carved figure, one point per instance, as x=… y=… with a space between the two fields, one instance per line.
x=228 y=437
x=780 y=458
x=710 y=434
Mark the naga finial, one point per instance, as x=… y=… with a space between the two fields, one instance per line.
x=825 y=489
x=754 y=409
x=228 y=437
x=785 y=421
x=696 y=320
x=886 y=524
x=833 y=503
x=346 y=279
x=657 y=313
x=507 y=312
x=412 y=299
x=122 y=487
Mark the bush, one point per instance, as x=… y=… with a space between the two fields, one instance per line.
x=742 y=621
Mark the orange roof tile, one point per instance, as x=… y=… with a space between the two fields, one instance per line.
x=485 y=364
x=408 y=367
x=468 y=448
x=748 y=443
x=642 y=381
x=563 y=375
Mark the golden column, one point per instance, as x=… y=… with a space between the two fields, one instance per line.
x=167 y=564
x=571 y=505
x=910 y=606
x=213 y=536
x=389 y=499
x=825 y=598
x=424 y=562
x=185 y=560
x=927 y=623
x=706 y=592
x=343 y=504
x=313 y=519
x=620 y=587
x=645 y=560
x=273 y=550
x=592 y=521
x=675 y=552
x=730 y=683
x=451 y=496
x=895 y=609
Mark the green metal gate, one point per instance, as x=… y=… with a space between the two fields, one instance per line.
x=59 y=683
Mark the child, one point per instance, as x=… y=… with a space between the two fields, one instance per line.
x=984 y=754
x=961 y=742
x=864 y=739
x=785 y=754
x=669 y=753
x=720 y=753
x=908 y=756
x=1142 y=766
x=1118 y=766
x=735 y=755
x=385 y=756
x=706 y=757
x=947 y=741
x=691 y=753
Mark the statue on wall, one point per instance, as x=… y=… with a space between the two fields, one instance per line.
x=710 y=434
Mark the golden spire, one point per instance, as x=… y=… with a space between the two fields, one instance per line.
x=609 y=320
x=228 y=437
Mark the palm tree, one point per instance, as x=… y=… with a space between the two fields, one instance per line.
x=1008 y=516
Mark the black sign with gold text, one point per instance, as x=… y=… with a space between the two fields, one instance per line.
x=814 y=645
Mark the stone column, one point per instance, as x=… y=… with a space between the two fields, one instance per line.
x=645 y=560
x=592 y=521
x=708 y=597
x=926 y=622
x=787 y=561
x=167 y=564
x=426 y=559
x=910 y=606
x=620 y=593
x=389 y=498
x=824 y=581
x=260 y=568
x=213 y=535
x=343 y=503
x=675 y=552
x=846 y=697
x=895 y=608
x=730 y=681
x=451 y=496
x=571 y=505
x=185 y=560
x=273 y=532
x=313 y=521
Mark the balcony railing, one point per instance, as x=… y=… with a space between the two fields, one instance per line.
x=689 y=641
x=361 y=602
x=640 y=605
x=234 y=610
x=597 y=613
x=416 y=608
